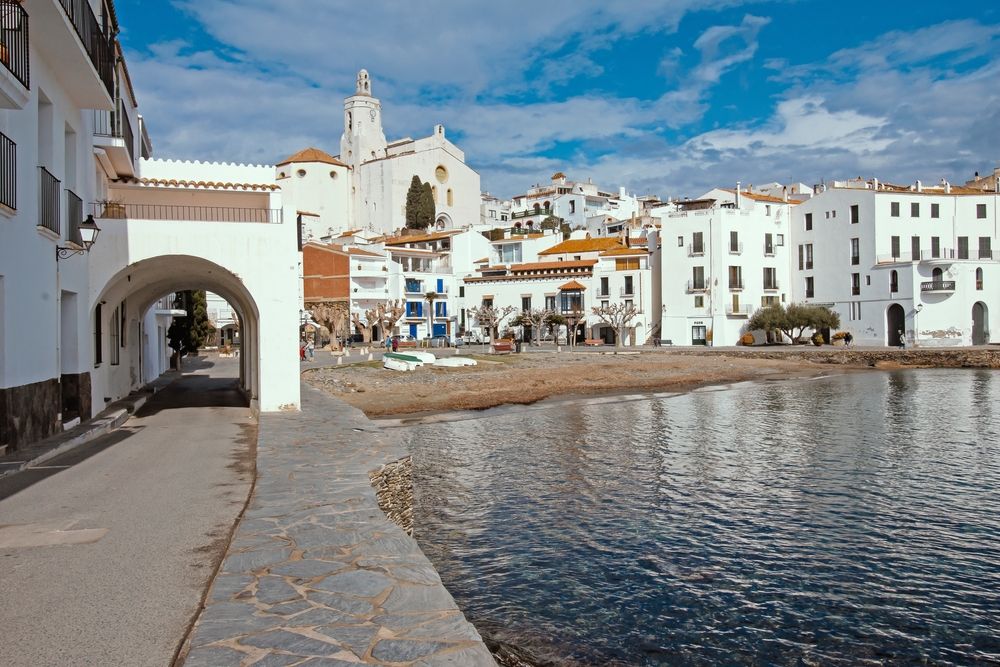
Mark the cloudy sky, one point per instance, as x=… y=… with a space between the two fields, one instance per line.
x=669 y=97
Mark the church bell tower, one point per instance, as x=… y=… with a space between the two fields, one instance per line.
x=363 y=139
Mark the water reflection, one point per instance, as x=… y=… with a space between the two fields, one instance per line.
x=841 y=521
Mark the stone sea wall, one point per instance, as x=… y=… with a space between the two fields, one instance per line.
x=881 y=357
x=393 y=484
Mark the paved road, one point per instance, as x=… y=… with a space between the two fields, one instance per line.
x=105 y=561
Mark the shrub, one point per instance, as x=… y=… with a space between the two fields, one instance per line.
x=840 y=335
x=818 y=339
x=747 y=339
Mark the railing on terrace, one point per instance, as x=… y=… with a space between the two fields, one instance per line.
x=768 y=250
x=117 y=125
x=120 y=211
x=736 y=248
x=14 y=51
x=739 y=311
x=695 y=250
x=8 y=172
x=627 y=292
x=697 y=285
x=48 y=200
x=97 y=44
x=736 y=284
x=529 y=213
x=938 y=286
x=772 y=286
x=74 y=216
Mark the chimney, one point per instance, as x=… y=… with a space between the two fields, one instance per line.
x=784 y=193
x=738 y=194
x=947 y=188
x=875 y=184
x=919 y=186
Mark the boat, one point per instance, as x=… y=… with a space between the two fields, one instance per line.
x=410 y=358
x=398 y=364
x=455 y=362
x=425 y=357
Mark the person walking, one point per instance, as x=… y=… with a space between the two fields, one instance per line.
x=848 y=339
x=302 y=350
x=310 y=350
x=388 y=343
x=395 y=344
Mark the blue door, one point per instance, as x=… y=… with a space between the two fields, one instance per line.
x=413 y=330
x=439 y=330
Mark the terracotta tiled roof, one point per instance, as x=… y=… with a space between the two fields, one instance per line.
x=545 y=266
x=206 y=185
x=364 y=253
x=571 y=285
x=619 y=252
x=311 y=215
x=311 y=155
x=424 y=238
x=759 y=197
x=583 y=245
x=484 y=260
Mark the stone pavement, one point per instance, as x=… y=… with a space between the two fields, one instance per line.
x=317 y=575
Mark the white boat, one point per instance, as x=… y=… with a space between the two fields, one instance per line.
x=455 y=362
x=425 y=357
x=398 y=364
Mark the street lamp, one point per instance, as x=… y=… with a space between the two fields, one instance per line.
x=88 y=232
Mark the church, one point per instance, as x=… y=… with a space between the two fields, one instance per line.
x=364 y=188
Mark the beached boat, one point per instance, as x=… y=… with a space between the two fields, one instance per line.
x=455 y=362
x=425 y=357
x=410 y=358
x=399 y=364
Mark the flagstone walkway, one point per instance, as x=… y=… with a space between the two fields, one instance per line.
x=317 y=575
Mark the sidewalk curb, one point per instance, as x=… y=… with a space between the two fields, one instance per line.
x=97 y=428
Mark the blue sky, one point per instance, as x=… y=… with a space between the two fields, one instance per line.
x=670 y=97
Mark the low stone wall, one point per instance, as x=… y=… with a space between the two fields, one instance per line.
x=393 y=484
x=910 y=357
x=29 y=413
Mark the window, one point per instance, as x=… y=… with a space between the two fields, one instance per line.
x=979 y=279
x=98 y=335
x=809 y=256
x=809 y=221
x=894 y=246
x=855 y=214
x=769 y=245
x=525 y=303
x=627 y=264
x=451 y=197
x=802 y=264
x=440 y=309
x=680 y=241
x=915 y=248
x=868 y=281
x=604 y=286
x=571 y=301
x=833 y=214
x=697 y=244
x=985 y=252
x=935 y=210
x=894 y=209
x=981 y=211
x=572 y=207
x=461 y=291
x=510 y=253
x=963 y=247
x=810 y=287
x=915 y=209
x=770 y=278
x=550 y=302
x=827 y=215
x=734 y=242
x=781 y=241
x=770 y=300
x=699 y=301
x=855 y=252
x=698 y=277
x=767 y=209
x=935 y=246
x=114 y=348
x=893 y=282
x=628 y=286
x=487 y=302
x=855 y=312
x=441 y=174
x=855 y=284
x=735 y=277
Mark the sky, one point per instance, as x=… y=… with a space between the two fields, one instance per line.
x=664 y=97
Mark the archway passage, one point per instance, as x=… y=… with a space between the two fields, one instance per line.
x=980 y=331
x=895 y=324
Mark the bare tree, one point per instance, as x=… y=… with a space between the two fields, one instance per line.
x=331 y=314
x=492 y=317
x=618 y=315
x=573 y=320
x=536 y=318
x=365 y=325
x=391 y=312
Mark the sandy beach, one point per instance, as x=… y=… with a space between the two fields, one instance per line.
x=527 y=378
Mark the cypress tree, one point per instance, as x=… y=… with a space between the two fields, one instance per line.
x=427 y=208
x=414 y=199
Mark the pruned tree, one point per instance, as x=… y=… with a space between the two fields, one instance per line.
x=492 y=317
x=536 y=319
x=618 y=315
x=333 y=315
x=794 y=319
x=573 y=319
x=365 y=325
x=391 y=312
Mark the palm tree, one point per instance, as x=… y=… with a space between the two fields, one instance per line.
x=431 y=297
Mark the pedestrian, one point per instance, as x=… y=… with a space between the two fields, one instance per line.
x=902 y=339
x=395 y=344
x=388 y=343
x=302 y=350
x=310 y=350
x=848 y=339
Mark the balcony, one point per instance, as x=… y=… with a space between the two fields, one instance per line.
x=48 y=201
x=15 y=70
x=937 y=287
x=768 y=250
x=736 y=248
x=180 y=212
x=736 y=285
x=627 y=293
x=697 y=286
x=772 y=286
x=696 y=250
x=113 y=133
x=739 y=311
x=8 y=173
x=82 y=52
x=530 y=213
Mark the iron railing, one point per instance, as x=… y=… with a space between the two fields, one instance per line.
x=772 y=286
x=8 y=172
x=736 y=284
x=74 y=216
x=739 y=311
x=14 y=51
x=697 y=285
x=768 y=250
x=938 y=286
x=120 y=211
x=529 y=213
x=48 y=204
x=97 y=44
x=627 y=292
x=736 y=248
x=695 y=250
x=116 y=124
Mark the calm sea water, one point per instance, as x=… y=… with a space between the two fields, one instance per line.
x=847 y=520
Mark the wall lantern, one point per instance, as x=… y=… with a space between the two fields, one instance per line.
x=87 y=232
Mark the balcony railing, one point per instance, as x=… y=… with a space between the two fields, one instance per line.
x=768 y=250
x=180 y=212
x=772 y=286
x=14 y=52
x=48 y=201
x=736 y=284
x=697 y=285
x=628 y=293
x=739 y=311
x=736 y=248
x=74 y=216
x=695 y=250
x=8 y=172
x=117 y=125
x=938 y=286
x=97 y=44
x=529 y=213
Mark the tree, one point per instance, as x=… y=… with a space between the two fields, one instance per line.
x=414 y=198
x=551 y=222
x=573 y=320
x=492 y=317
x=431 y=297
x=555 y=320
x=191 y=331
x=365 y=325
x=618 y=315
x=391 y=312
x=794 y=319
x=333 y=315
x=536 y=319
x=427 y=207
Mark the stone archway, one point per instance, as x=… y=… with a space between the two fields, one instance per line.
x=980 y=324
x=895 y=326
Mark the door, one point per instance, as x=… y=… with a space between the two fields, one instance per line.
x=440 y=330
x=699 y=335
x=980 y=333
x=895 y=325
x=413 y=331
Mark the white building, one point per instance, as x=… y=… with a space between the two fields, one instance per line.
x=914 y=261
x=722 y=256
x=575 y=202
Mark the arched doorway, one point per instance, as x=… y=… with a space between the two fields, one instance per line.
x=895 y=325
x=980 y=326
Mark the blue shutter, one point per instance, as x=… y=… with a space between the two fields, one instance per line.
x=444 y=309
x=440 y=288
x=420 y=309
